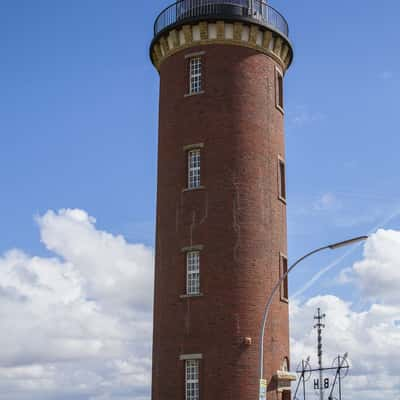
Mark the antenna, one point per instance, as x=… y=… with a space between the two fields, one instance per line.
x=340 y=365
x=320 y=317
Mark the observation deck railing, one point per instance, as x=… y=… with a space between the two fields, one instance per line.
x=184 y=11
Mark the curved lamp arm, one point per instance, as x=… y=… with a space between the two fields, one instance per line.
x=333 y=246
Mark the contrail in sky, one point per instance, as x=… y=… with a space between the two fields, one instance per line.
x=342 y=257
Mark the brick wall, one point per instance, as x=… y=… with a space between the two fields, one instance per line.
x=237 y=217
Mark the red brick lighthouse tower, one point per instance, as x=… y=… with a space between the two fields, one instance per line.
x=221 y=201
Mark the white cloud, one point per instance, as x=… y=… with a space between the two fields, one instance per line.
x=77 y=325
x=372 y=335
x=378 y=274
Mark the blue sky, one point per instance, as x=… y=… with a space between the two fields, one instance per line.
x=78 y=123
x=79 y=117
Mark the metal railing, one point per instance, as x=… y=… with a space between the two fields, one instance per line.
x=185 y=10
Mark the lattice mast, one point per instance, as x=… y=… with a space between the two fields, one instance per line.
x=319 y=326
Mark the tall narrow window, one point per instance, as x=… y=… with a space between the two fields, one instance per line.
x=194 y=169
x=193 y=273
x=279 y=90
x=195 y=75
x=282 y=179
x=285 y=283
x=192 y=372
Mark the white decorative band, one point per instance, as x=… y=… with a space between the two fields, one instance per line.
x=220 y=32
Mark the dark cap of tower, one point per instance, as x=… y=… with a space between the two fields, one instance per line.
x=254 y=11
x=184 y=14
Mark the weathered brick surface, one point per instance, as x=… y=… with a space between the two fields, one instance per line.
x=237 y=217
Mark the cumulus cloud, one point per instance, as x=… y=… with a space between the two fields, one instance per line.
x=370 y=334
x=371 y=337
x=378 y=274
x=76 y=325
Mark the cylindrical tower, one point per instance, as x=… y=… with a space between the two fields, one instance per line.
x=221 y=200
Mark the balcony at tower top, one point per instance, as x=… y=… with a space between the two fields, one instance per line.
x=187 y=11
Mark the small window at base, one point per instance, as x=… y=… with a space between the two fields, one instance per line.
x=286 y=395
x=285 y=365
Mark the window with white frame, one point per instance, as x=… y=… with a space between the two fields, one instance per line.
x=193 y=273
x=194 y=169
x=192 y=372
x=195 y=75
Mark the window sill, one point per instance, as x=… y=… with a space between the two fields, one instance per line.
x=193 y=189
x=198 y=247
x=194 y=94
x=283 y=200
x=195 y=146
x=283 y=300
x=190 y=296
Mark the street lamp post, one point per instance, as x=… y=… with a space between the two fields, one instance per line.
x=333 y=246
